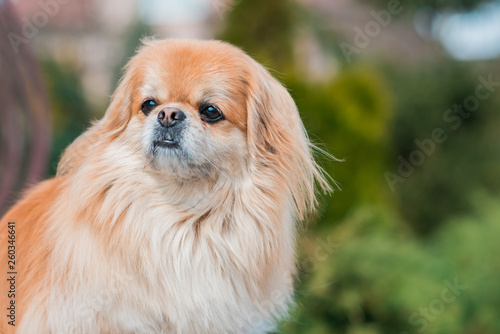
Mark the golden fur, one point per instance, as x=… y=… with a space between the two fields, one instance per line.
x=126 y=241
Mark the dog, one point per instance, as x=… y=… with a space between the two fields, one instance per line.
x=176 y=212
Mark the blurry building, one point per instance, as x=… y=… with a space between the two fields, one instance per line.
x=91 y=34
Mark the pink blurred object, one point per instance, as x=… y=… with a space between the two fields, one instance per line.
x=24 y=113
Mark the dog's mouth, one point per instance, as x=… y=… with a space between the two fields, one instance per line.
x=167 y=139
x=167 y=142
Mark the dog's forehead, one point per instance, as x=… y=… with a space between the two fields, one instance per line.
x=187 y=70
x=196 y=73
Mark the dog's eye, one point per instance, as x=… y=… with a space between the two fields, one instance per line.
x=148 y=105
x=211 y=113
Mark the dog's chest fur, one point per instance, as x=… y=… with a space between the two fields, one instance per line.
x=207 y=264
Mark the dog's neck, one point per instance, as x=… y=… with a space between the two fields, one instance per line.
x=117 y=186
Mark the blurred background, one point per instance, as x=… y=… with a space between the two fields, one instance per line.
x=406 y=92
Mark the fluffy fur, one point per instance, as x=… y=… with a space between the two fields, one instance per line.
x=131 y=238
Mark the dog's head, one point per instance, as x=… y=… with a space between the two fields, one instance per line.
x=205 y=110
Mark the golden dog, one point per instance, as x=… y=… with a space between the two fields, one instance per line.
x=176 y=212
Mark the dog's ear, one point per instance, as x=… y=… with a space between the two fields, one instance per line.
x=111 y=125
x=278 y=141
x=120 y=111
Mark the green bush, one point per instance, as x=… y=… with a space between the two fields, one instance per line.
x=382 y=280
x=467 y=160
x=350 y=116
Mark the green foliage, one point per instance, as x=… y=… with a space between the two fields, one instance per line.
x=350 y=116
x=381 y=280
x=438 y=188
x=264 y=29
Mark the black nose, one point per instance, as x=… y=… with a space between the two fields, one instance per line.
x=170 y=116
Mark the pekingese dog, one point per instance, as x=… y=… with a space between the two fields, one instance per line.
x=175 y=213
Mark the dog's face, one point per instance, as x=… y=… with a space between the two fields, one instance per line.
x=198 y=110
x=188 y=106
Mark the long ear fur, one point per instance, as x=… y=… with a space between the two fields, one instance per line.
x=278 y=140
x=111 y=125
